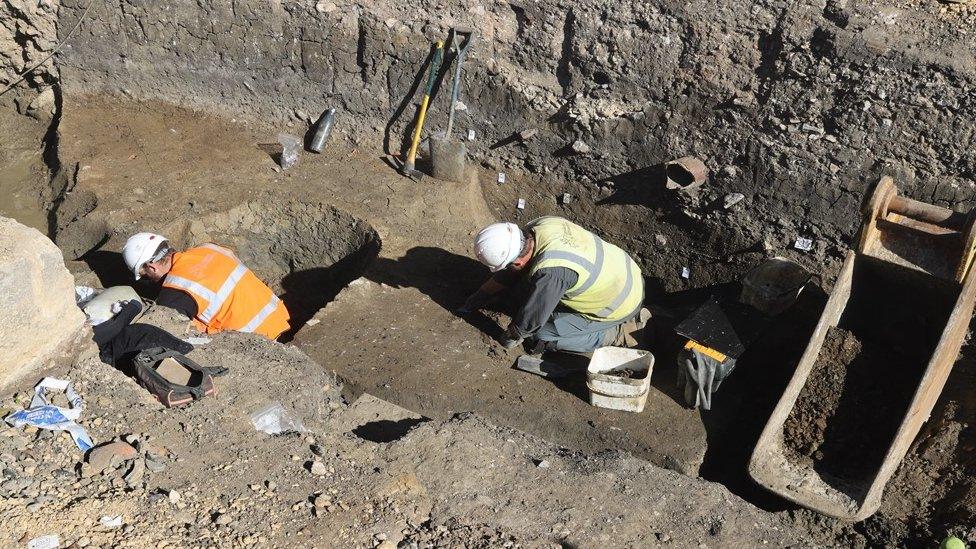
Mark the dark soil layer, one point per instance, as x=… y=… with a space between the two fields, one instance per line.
x=848 y=412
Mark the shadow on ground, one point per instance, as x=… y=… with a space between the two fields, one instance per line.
x=445 y=277
x=745 y=400
x=306 y=292
x=386 y=430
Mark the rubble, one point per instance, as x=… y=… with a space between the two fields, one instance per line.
x=413 y=492
x=109 y=455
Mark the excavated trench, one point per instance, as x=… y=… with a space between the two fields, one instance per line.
x=307 y=252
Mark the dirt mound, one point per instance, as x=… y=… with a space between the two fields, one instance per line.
x=201 y=476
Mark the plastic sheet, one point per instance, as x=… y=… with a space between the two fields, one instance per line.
x=274 y=419
x=43 y=415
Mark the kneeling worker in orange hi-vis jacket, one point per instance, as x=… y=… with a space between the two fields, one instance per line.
x=209 y=284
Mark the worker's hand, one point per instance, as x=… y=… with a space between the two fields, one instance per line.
x=134 y=304
x=510 y=339
x=510 y=343
x=474 y=302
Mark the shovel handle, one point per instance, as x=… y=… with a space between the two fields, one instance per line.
x=435 y=64
x=460 y=49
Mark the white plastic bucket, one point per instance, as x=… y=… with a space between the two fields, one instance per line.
x=615 y=392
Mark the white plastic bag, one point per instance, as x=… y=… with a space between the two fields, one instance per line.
x=84 y=294
x=50 y=541
x=273 y=419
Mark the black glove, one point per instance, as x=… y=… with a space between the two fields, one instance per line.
x=510 y=339
x=474 y=302
x=509 y=343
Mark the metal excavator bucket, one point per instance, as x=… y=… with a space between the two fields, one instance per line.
x=893 y=325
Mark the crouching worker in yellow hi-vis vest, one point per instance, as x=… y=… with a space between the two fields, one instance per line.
x=583 y=293
x=209 y=285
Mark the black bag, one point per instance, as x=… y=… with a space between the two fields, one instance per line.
x=173 y=378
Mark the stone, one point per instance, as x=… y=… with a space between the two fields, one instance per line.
x=87 y=470
x=318 y=468
x=40 y=320
x=223 y=519
x=109 y=455
x=13 y=486
x=732 y=199
x=322 y=501
x=174 y=496
x=580 y=147
x=155 y=464
x=325 y=6
x=136 y=473
x=43 y=107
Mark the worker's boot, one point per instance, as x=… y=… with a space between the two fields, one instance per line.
x=630 y=333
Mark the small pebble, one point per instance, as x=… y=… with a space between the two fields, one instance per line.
x=318 y=468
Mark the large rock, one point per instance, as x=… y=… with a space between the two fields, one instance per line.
x=40 y=321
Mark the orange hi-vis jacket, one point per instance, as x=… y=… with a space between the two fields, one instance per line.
x=228 y=295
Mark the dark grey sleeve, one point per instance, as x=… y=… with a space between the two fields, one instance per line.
x=546 y=287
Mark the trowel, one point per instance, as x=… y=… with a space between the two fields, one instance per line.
x=449 y=156
x=547 y=368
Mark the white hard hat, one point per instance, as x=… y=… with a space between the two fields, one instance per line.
x=139 y=250
x=498 y=244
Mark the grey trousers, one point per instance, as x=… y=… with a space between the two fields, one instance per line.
x=570 y=332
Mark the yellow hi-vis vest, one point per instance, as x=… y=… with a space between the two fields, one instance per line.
x=610 y=286
x=228 y=295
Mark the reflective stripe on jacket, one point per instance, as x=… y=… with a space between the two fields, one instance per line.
x=228 y=295
x=610 y=285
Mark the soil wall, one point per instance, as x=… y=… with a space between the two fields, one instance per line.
x=28 y=32
x=797 y=105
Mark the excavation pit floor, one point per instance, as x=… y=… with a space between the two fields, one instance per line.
x=393 y=333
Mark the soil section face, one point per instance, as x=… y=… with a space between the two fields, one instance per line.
x=24 y=177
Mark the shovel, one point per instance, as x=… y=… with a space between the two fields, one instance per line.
x=409 y=166
x=448 y=156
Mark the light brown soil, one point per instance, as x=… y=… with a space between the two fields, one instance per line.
x=386 y=475
x=23 y=174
